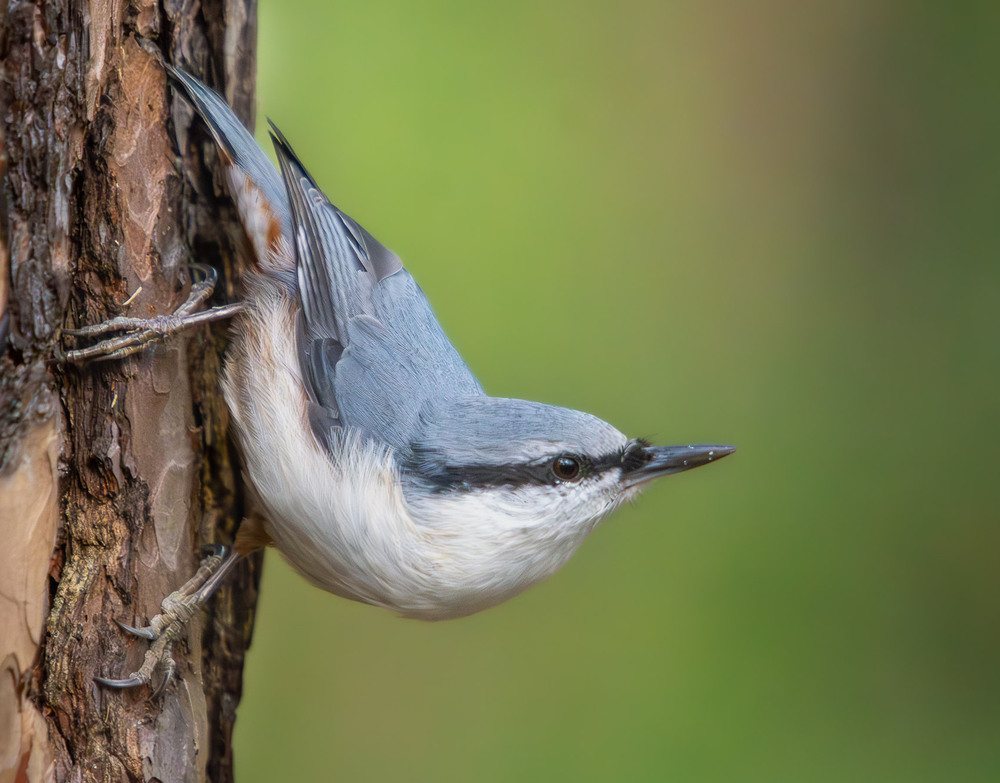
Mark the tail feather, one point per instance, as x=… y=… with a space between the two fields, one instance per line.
x=255 y=183
x=234 y=139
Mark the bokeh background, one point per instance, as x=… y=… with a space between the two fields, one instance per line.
x=773 y=224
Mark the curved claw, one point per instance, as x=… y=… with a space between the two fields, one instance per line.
x=145 y=633
x=209 y=275
x=168 y=675
x=213 y=550
x=129 y=682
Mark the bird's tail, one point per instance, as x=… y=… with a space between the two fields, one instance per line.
x=255 y=183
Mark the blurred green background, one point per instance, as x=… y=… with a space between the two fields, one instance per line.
x=771 y=224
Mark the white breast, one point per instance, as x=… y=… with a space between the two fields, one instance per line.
x=342 y=520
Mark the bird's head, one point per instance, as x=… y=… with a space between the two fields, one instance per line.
x=528 y=464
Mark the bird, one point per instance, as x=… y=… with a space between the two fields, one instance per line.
x=378 y=466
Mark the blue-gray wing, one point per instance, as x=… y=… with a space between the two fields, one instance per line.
x=372 y=352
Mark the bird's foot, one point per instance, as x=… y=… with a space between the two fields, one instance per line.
x=123 y=336
x=167 y=627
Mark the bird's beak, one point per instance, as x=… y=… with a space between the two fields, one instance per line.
x=663 y=460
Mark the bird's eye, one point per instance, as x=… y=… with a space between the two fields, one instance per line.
x=566 y=468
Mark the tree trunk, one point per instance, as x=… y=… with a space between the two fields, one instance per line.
x=113 y=473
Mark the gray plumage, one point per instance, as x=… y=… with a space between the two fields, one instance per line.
x=474 y=432
x=382 y=471
x=361 y=310
x=374 y=354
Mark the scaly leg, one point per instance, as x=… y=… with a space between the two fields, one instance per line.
x=132 y=334
x=175 y=612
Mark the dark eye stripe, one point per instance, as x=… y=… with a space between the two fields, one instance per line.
x=634 y=455
x=455 y=477
x=444 y=478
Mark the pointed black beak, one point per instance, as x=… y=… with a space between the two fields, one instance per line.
x=650 y=462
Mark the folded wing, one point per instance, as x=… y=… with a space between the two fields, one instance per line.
x=374 y=355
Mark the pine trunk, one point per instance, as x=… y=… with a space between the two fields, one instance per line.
x=112 y=474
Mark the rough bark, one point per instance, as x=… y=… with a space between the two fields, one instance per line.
x=112 y=474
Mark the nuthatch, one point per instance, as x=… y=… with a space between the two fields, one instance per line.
x=381 y=470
